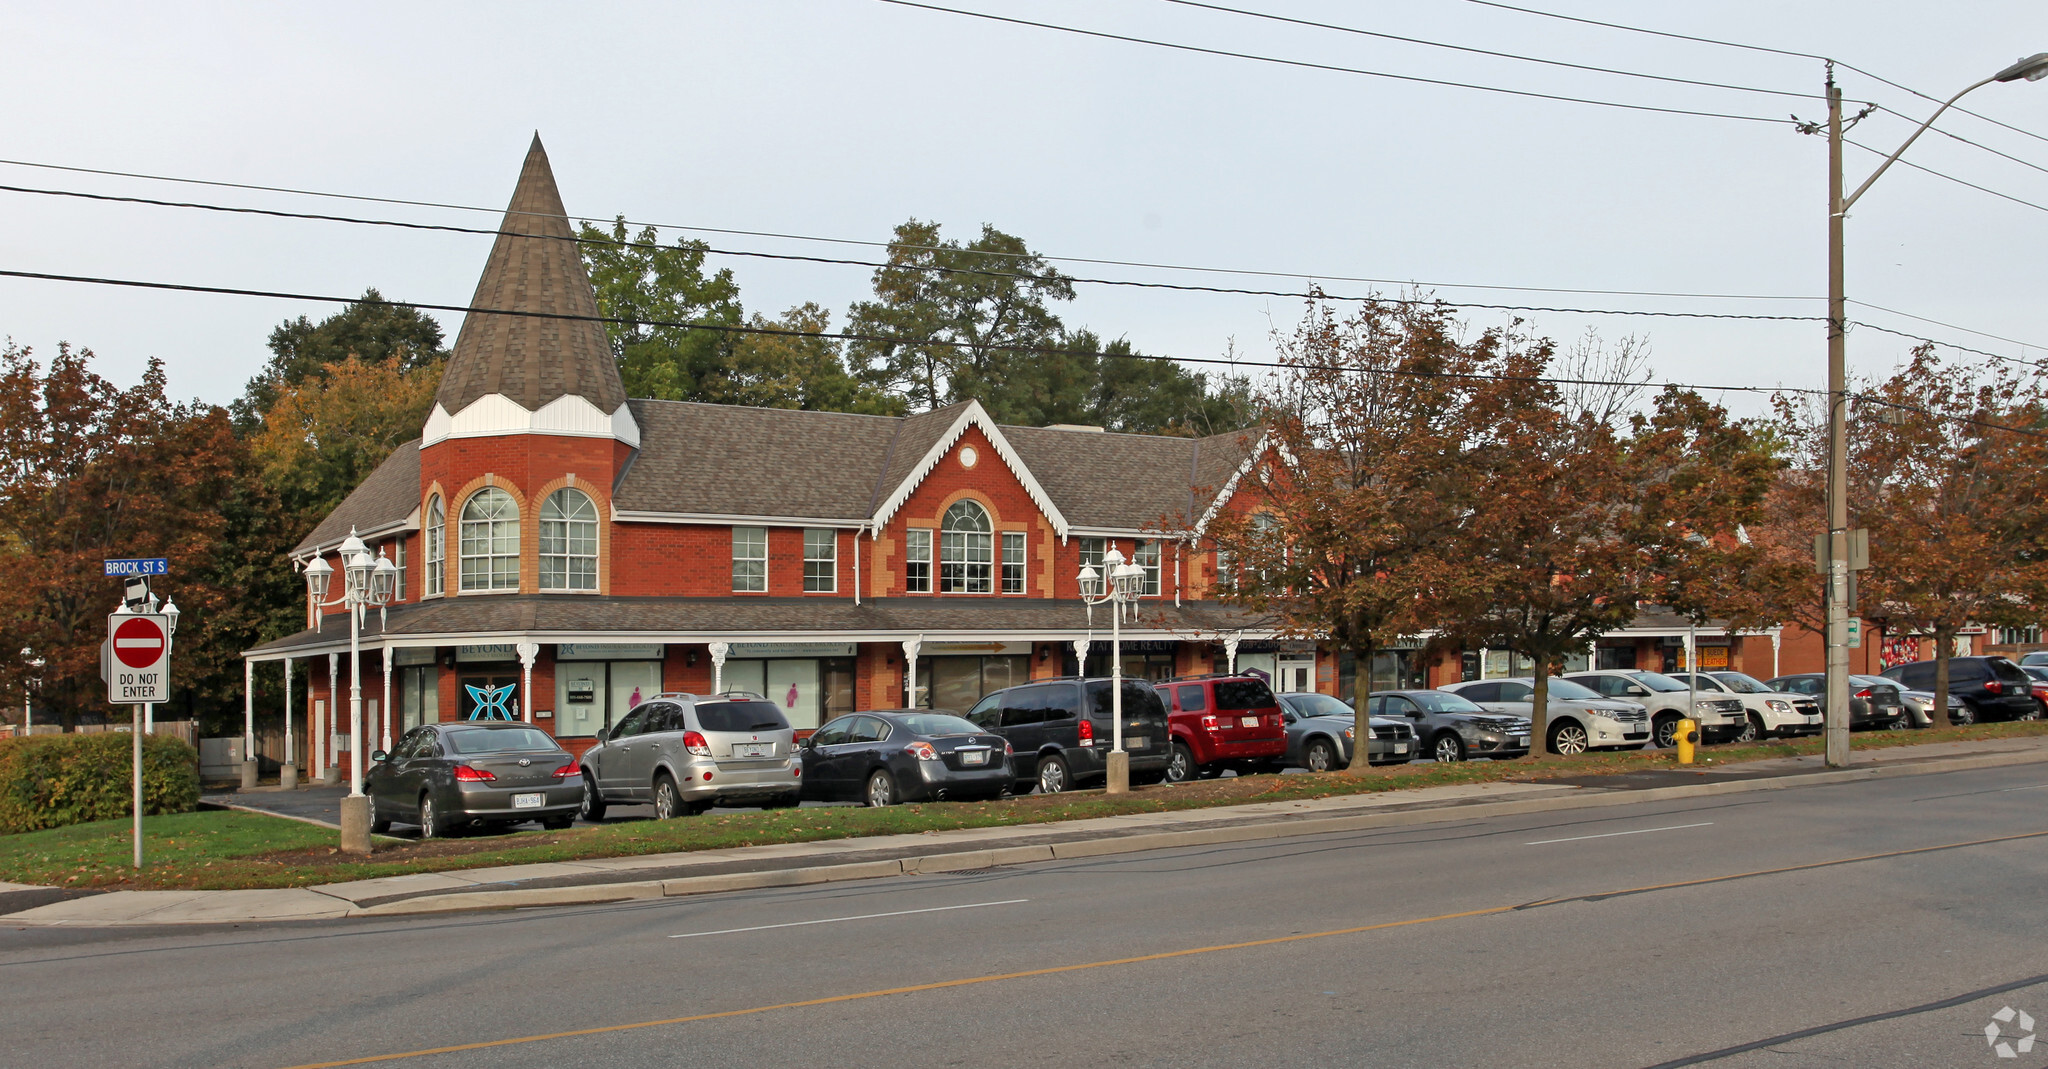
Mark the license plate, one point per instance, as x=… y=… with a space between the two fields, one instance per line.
x=974 y=757
x=1400 y=747
x=529 y=801
x=753 y=749
x=1136 y=742
x=1247 y=721
x=1518 y=740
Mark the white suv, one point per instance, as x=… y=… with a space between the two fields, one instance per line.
x=1770 y=711
x=1720 y=717
x=1579 y=719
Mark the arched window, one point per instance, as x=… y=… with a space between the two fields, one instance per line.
x=437 y=547
x=966 y=555
x=490 y=541
x=568 y=541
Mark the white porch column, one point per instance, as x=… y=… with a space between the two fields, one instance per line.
x=718 y=652
x=1230 y=652
x=1081 y=654
x=249 y=766
x=910 y=648
x=330 y=766
x=388 y=651
x=1776 y=638
x=288 y=775
x=527 y=652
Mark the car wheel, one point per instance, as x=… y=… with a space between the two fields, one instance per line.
x=881 y=791
x=1567 y=738
x=379 y=823
x=431 y=825
x=1448 y=747
x=1052 y=774
x=1962 y=715
x=593 y=802
x=2033 y=713
x=668 y=799
x=1752 y=729
x=1664 y=732
x=1319 y=756
x=1180 y=767
x=557 y=823
x=1902 y=721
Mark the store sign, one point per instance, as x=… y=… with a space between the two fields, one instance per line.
x=502 y=651
x=581 y=691
x=993 y=649
x=613 y=651
x=745 y=650
x=412 y=655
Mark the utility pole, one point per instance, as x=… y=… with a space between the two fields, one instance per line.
x=1835 y=706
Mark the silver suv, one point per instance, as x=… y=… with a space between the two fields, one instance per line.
x=688 y=752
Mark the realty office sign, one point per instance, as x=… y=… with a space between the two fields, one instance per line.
x=140 y=669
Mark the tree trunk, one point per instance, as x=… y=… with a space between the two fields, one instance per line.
x=1539 y=712
x=1361 y=703
x=1944 y=642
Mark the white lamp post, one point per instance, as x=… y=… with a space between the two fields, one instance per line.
x=366 y=582
x=1124 y=581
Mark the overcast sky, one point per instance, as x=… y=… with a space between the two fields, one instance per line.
x=842 y=118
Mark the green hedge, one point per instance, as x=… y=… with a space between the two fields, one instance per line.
x=48 y=781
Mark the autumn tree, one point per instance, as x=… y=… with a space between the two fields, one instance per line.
x=1345 y=531
x=370 y=329
x=321 y=439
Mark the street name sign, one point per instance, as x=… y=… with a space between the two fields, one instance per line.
x=140 y=669
x=137 y=566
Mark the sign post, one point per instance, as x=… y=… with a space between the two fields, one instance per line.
x=138 y=674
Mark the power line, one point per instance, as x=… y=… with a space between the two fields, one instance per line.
x=2036 y=364
x=1490 y=52
x=1951 y=326
x=1310 y=294
x=1331 y=67
x=1952 y=178
x=870 y=243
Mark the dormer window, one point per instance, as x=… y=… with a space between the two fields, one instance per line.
x=966 y=550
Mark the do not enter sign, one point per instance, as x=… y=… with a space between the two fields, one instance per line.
x=140 y=671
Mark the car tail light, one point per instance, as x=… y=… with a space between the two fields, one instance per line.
x=694 y=742
x=1210 y=723
x=923 y=750
x=1087 y=732
x=1007 y=750
x=466 y=774
x=1864 y=693
x=565 y=772
x=1994 y=686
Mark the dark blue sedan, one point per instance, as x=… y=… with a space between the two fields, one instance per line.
x=905 y=755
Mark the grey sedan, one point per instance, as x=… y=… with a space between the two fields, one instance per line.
x=1319 y=729
x=445 y=776
x=1451 y=728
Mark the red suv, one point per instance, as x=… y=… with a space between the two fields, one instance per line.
x=1221 y=722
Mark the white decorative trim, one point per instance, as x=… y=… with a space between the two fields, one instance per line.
x=620 y=515
x=973 y=415
x=1229 y=489
x=494 y=414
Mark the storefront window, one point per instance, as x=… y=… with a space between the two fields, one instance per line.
x=956 y=683
x=1391 y=670
x=419 y=695
x=808 y=690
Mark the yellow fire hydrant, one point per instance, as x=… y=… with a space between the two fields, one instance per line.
x=1688 y=740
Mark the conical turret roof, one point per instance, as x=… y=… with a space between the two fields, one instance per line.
x=534 y=267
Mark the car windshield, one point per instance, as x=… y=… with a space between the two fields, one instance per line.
x=499 y=740
x=1570 y=691
x=1658 y=681
x=1436 y=701
x=1739 y=683
x=1318 y=705
x=741 y=716
x=933 y=726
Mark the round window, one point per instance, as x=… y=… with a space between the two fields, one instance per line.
x=968 y=456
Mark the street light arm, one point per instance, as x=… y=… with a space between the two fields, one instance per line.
x=1889 y=160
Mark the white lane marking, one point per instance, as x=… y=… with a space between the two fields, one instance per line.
x=2028 y=787
x=1612 y=834
x=862 y=917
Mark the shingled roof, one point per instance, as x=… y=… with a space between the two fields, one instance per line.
x=385 y=499
x=535 y=266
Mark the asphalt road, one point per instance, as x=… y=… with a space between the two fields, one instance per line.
x=1873 y=924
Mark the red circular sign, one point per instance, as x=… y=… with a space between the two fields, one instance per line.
x=139 y=643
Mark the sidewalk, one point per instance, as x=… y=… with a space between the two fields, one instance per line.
x=701 y=872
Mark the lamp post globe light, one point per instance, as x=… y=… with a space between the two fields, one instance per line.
x=366 y=582
x=1117 y=585
x=1836 y=567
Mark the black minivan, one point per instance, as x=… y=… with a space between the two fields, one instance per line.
x=1057 y=747
x=1992 y=688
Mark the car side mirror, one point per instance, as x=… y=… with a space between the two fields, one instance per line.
x=1638 y=692
x=1287 y=717
x=808 y=742
x=379 y=756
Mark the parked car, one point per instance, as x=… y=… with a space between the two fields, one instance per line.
x=2034 y=657
x=1319 y=734
x=688 y=752
x=1868 y=707
x=445 y=776
x=1221 y=722
x=1770 y=712
x=1921 y=703
x=905 y=755
x=1450 y=728
x=1058 y=743
x=1992 y=688
x=2039 y=674
x=1913 y=704
x=1580 y=719
x=1720 y=716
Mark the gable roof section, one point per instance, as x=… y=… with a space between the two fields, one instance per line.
x=1103 y=481
x=707 y=460
x=387 y=499
x=970 y=414
x=1230 y=461
x=535 y=266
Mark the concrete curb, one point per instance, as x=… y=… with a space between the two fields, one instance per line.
x=974 y=860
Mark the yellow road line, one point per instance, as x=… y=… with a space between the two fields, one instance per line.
x=1164 y=956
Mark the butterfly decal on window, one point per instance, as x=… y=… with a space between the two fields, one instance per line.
x=491 y=703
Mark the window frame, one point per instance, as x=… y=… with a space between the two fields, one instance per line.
x=963 y=570
x=1013 y=571
x=567 y=555
x=398 y=558
x=825 y=579
x=760 y=561
x=1139 y=552
x=436 y=550
x=917 y=560
x=493 y=534
x=1092 y=551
